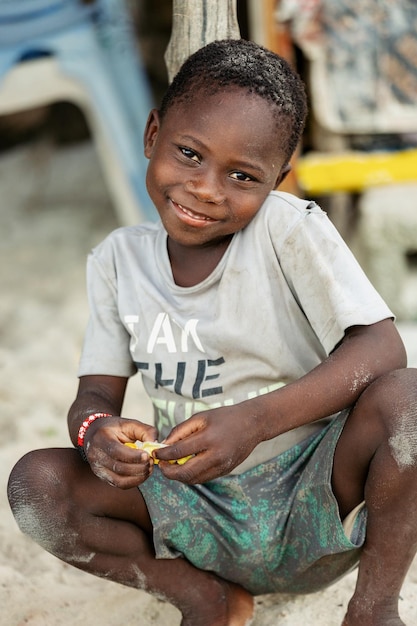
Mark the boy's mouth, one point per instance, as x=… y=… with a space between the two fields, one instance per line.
x=186 y=212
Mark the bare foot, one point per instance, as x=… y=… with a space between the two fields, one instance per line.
x=369 y=614
x=241 y=607
x=378 y=622
x=227 y=605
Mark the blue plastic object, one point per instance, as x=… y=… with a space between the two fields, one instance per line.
x=94 y=44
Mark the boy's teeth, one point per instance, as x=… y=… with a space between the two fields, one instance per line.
x=191 y=214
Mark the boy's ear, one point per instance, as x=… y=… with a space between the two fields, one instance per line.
x=151 y=132
x=283 y=175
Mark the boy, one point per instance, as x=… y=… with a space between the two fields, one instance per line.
x=270 y=360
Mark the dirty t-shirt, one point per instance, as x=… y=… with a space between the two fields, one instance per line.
x=275 y=306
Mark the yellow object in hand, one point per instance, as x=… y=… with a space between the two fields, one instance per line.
x=150 y=446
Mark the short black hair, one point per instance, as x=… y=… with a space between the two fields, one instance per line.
x=247 y=65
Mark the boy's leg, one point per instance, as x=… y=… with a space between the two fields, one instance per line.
x=106 y=531
x=376 y=461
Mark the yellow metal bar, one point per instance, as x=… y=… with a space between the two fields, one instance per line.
x=319 y=173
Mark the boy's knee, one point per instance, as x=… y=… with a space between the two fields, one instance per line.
x=390 y=403
x=36 y=495
x=394 y=394
x=33 y=474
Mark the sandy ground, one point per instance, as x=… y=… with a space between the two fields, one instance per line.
x=54 y=208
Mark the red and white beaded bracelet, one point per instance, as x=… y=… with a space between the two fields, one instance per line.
x=86 y=424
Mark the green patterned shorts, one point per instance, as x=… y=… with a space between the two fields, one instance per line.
x=273 y=529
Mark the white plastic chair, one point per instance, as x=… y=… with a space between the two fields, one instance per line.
x=62 y=50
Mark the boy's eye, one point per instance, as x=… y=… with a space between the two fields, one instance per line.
x=190 y=154
x=241 y=176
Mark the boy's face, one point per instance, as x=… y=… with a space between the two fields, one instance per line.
x=213 y=161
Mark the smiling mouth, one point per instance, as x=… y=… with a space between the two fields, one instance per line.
x=199 y=217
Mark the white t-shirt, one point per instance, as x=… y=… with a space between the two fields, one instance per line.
x=276 y=305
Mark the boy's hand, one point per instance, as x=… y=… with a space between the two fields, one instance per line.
x=110 y=459
x=220 y=439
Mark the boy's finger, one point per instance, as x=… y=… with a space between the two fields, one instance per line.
x=190 y=427
x=176 y=453
x=137 y=431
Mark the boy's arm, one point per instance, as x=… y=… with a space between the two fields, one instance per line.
x=104 y=438
x=96 y=394
x=364 y=354
x=223 y=438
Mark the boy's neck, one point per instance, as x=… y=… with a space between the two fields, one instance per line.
x=191 y=265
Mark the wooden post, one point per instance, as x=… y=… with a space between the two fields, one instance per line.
x=266 y=30
x=196 y=23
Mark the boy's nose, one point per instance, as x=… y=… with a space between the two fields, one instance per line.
x=206 y=189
